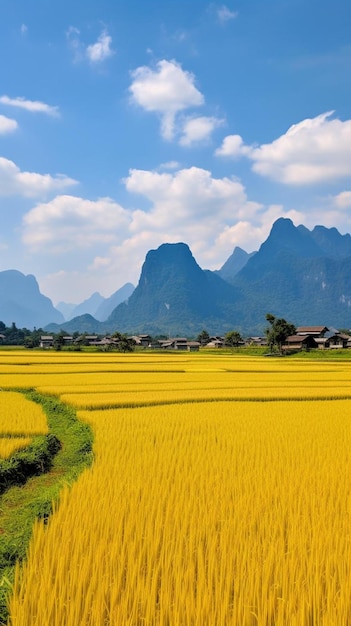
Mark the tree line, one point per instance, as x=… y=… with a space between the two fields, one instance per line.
x=276 y=333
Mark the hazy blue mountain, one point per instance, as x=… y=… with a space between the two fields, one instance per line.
x=96 y=305
x=22 y=303
x=234 y=264
x=106 y=307
x=331 y=242
x=90 y=305
x=66 y=308
x=82 y=323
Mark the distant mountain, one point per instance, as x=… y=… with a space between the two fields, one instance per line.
x=82 y=324
x=302 y=275
x=106 y=307
x=22 y=303
x=174 y=295
x=234 y=264
x=66 y=308
x=88 y=306
x=96 y=305
x=299 y=274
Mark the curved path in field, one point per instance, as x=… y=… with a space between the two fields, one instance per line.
x=20 y=506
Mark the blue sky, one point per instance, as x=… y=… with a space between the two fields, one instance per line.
x=128 y=124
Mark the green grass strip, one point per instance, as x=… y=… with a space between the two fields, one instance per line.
x=20 y=506
x=33 y=460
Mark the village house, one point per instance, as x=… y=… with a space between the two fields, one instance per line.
x=68 y=340
x=180 y=343
x=299 y=342
x=46 y=341
x=142 y=340
x=193 y=346
x=88 y=340
x=336 y=340
x=256 y=341
x=314 y=331
x=321 y=337
x=215 y=342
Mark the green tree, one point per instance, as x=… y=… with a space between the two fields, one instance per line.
x=59 y=341
x=232 y=338
x=277 y=332
x=203 y=337
x=123 y=343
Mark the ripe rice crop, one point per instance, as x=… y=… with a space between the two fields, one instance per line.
x=222 y=514
x=19 y=416
x=98 y=400
x=197 y=511
x=9 y=445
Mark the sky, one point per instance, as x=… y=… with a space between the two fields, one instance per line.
x=125 y=124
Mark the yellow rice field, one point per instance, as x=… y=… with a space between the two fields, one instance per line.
x=220 y=493
x=9 y=445
x=20 y=416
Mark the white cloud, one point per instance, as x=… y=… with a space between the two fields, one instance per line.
x=188 y=205
x=343 y=200
x=24 y=29
x=14 y=182
x=211 y=215
x=198 y=129
x=233 y=146
x=69 y=222
x=101 y=50
x=224 y=14
x=7 y=125
x=95 y=53
x=34 y=106
x=315 y=150
x=192 y=206
x=312 y=151
x=166 y=90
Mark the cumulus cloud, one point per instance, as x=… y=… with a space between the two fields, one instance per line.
x=14 y=182
x=70 y=222
x=198 y=129
x=343 y=200
x=313 y=151
x=101 y=49
x=233 y=146
x=212 y=215
x=34 y=106
x=190 y=205
x=250 y=234
x=7 y=125
x=166 y=90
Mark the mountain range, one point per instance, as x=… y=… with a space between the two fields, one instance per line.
x=300 y=274
x=97 y=306
x=22 y=303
